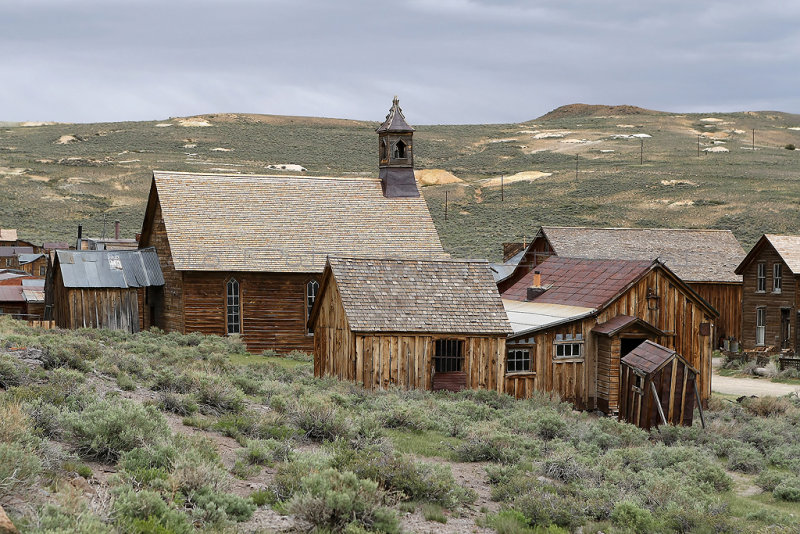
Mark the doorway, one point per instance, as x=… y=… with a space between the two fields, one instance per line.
x=627 y=344
x=785 y=327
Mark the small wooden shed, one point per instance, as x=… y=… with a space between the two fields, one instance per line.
x=100 y=288
x=658 y=387
x=425 y=324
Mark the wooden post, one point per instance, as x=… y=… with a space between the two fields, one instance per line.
x=698 y=145
x=754 y=140
x=641 y=151
x=658 y=402
x=445 y=205
x=576 y=166
x=699 y=403
x=502 y=196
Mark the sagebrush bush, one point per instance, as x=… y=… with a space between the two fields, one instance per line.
x=213 y=507
x=320 y=422
x=630 y=516
x=19 y=466
x=549 y=506
x=333 y=500
x=216 y=395
x=146 y=511
x=107 y=428
x=745 y=459
x=12 y=373
x=788 y=489
x=488 y=447
x=266 y=452
x=176 y=403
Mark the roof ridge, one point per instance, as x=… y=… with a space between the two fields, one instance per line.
x=406 y=260
x=638 y=229
x=243 y=175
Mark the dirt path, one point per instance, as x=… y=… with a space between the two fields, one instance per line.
x=748 y=386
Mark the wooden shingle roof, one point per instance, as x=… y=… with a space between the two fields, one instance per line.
x=450 y=296
x=788 y=247
x=649 y=357
x=219 y=222
x=694 y=255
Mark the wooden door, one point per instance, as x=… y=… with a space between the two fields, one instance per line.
x=785 y=321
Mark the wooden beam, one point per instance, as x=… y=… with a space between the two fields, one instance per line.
x=658 y=402
x=699 y=404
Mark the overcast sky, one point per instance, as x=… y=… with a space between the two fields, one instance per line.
x=450 y=61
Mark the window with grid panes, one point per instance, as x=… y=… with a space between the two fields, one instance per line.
x=777 y=277
x=761 y=277
x=448 y=355
x=518 y=361
x=761 y=325
x=568 y=350
x=234 y=315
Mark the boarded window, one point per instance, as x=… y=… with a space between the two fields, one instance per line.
x=569 y=350
x=761 y=325
x=448 y=355
x=312 y=288
x=777 y=277
x=234 y=315
x=761 y=277
x=518 y=361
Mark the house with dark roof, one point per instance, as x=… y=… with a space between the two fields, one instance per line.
x=770 y=294
x=244 y=254
x=422 y=324
x=705 y=259
x=573 y=319
x=101 y=288
x=22 y=297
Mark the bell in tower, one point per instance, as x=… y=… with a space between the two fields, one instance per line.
x=396 y=160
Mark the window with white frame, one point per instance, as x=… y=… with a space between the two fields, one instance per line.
x=518 y=360
x=312 y=288
x=761 y=325
x=234 y=307
x=777 y=277
x=761 y=277
x=569 y=350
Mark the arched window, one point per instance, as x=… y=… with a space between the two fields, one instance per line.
x=312 y=288
x=234 y=308
x=384 y=151
x=400 y=150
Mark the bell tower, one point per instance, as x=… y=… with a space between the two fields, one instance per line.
x=396 y=155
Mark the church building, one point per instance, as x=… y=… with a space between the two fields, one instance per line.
x=244 y=254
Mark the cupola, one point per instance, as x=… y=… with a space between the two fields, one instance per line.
x=396 y=155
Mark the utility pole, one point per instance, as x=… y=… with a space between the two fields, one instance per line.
x=502 y=195
x=641 y=151
x=576 y=166
x=754 y=140
x=698 y=145
x=104 y=226
x=445 y=205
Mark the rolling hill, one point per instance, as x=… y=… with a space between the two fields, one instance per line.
x=577 y=165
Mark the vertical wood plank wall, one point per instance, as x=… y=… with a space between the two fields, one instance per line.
x=727 y=300
x=674 y=384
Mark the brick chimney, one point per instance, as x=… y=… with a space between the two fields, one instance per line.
x=536 y=288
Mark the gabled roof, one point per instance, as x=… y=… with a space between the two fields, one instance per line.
x=694 y=255
x=8 y=234
x=501 y=271
x=55 y=245
x=622 y=322
x=28 y=258
x=649 y=357
x=787 y=247
x=444 y=296
x=11 y=294
x=109 y=269
x=395 y=120
x=221 y=222
x=580 y=282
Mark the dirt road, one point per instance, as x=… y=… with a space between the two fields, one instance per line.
x=748 y=386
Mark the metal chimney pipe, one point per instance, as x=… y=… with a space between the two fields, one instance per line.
x=80 y=231
x=116 y=229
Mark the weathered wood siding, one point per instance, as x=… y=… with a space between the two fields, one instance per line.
x=727 y=300
x=593 y=381
x=114 y=308
x=674 y=384
x=773 y=302
x=273 y=308
x=170 y=315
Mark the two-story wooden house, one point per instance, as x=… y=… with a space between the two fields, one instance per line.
x=770 y=294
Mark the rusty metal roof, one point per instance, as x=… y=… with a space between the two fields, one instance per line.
x=648 y=357
x=110 y=269
x=694 y=255
x=446 y=296
x=621 y=322
x=395 y=120
x=580 y=282
x=219 y=222
x=55 y=245
x=11 y=294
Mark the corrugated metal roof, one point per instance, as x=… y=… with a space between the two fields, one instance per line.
x=15 y=251
x=32 y=282
x=28 y=258
x=110 y=268
x=527 y=317
x=11 y=294
x=501 y=271
x=31 y=295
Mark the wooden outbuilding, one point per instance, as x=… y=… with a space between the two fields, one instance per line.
x=244 y=254
x=658 y=387
x=770 y=298
x=101 y=289
x=705 y=259
x=573 y=319
x=423 y=324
